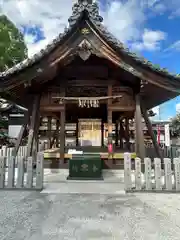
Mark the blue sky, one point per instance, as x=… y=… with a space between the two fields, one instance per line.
x=148 y=27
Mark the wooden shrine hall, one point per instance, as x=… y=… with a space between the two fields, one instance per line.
x=88 y=78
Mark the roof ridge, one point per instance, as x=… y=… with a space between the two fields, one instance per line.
x=91 y=8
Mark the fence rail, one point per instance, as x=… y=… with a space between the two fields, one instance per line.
x=151 y=174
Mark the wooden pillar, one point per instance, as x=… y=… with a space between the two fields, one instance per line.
x=109 y=117
x=49 y=131
x=150 y=131
x=127 y=133
x=36 y=134
x=77 y=133
x=139 y=135
x=57 y=132
x=121 y=133
x=34 y=118
x=62 y=135
x=62 y=123
x=102 y=133
x=116 y=133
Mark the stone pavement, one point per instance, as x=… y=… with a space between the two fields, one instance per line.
x=87 y=210
x=167 y=204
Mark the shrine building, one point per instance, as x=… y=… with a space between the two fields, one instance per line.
x=87 y=81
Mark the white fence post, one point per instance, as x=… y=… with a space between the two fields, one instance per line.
x=176 y=162
x=127 y=171
x=157 y=170
x=11 y=171
x=39 y=170
x=4 y=151
x=29 y=183
x=2 y=171
x=168 y=174
x=138 y=173
x=147 y=162
x=20 y=178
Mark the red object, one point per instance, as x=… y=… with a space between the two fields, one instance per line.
x=110 y=148
x=158 y=134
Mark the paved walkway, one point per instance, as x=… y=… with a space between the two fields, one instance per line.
x=95 y=212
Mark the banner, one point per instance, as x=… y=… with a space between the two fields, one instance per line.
x=167 y=135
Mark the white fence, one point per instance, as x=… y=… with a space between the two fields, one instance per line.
x=19 y=172
x=8 y=152
x=151 y=174
x=22 y=152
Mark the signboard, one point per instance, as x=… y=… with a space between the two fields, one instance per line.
x=167 y=135
x=13 y=131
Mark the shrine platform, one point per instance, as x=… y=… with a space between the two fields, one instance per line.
x=54 y=153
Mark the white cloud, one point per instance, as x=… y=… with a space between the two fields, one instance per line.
x=125 y=20
x=178 y=108
x=175 y=46
x=159 y=8
x=172 y=8
x=51 y=16
x=150 y=40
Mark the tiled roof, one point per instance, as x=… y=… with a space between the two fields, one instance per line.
x=92 y=10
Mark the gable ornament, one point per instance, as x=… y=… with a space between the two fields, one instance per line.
x=84 y=50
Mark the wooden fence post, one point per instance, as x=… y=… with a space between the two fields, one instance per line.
x=20 y=178
x=11 y=171
x=2 y=171
x=40 y=170
x=147 y=162
x=29 y=183
x=127 y=171
x=176 y=162
x=138 y=173
x=168 y=174
x=157 y=170
x=4 y=151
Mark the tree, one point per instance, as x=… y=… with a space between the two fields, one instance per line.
x=12 y=47
x=175 y=126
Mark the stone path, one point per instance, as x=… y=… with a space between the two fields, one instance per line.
x=75 y=210
x=50 y=216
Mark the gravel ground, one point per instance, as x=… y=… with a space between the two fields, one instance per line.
x=35 y=216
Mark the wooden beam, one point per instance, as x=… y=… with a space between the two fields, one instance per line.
x=35 y=109
x=150 y=131
x=90 y=82
x=139 y=143
x=122 y=108
x=51 y=108
x=21 y=133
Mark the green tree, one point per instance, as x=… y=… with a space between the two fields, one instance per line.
x=12 y=47
x=175 y=126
